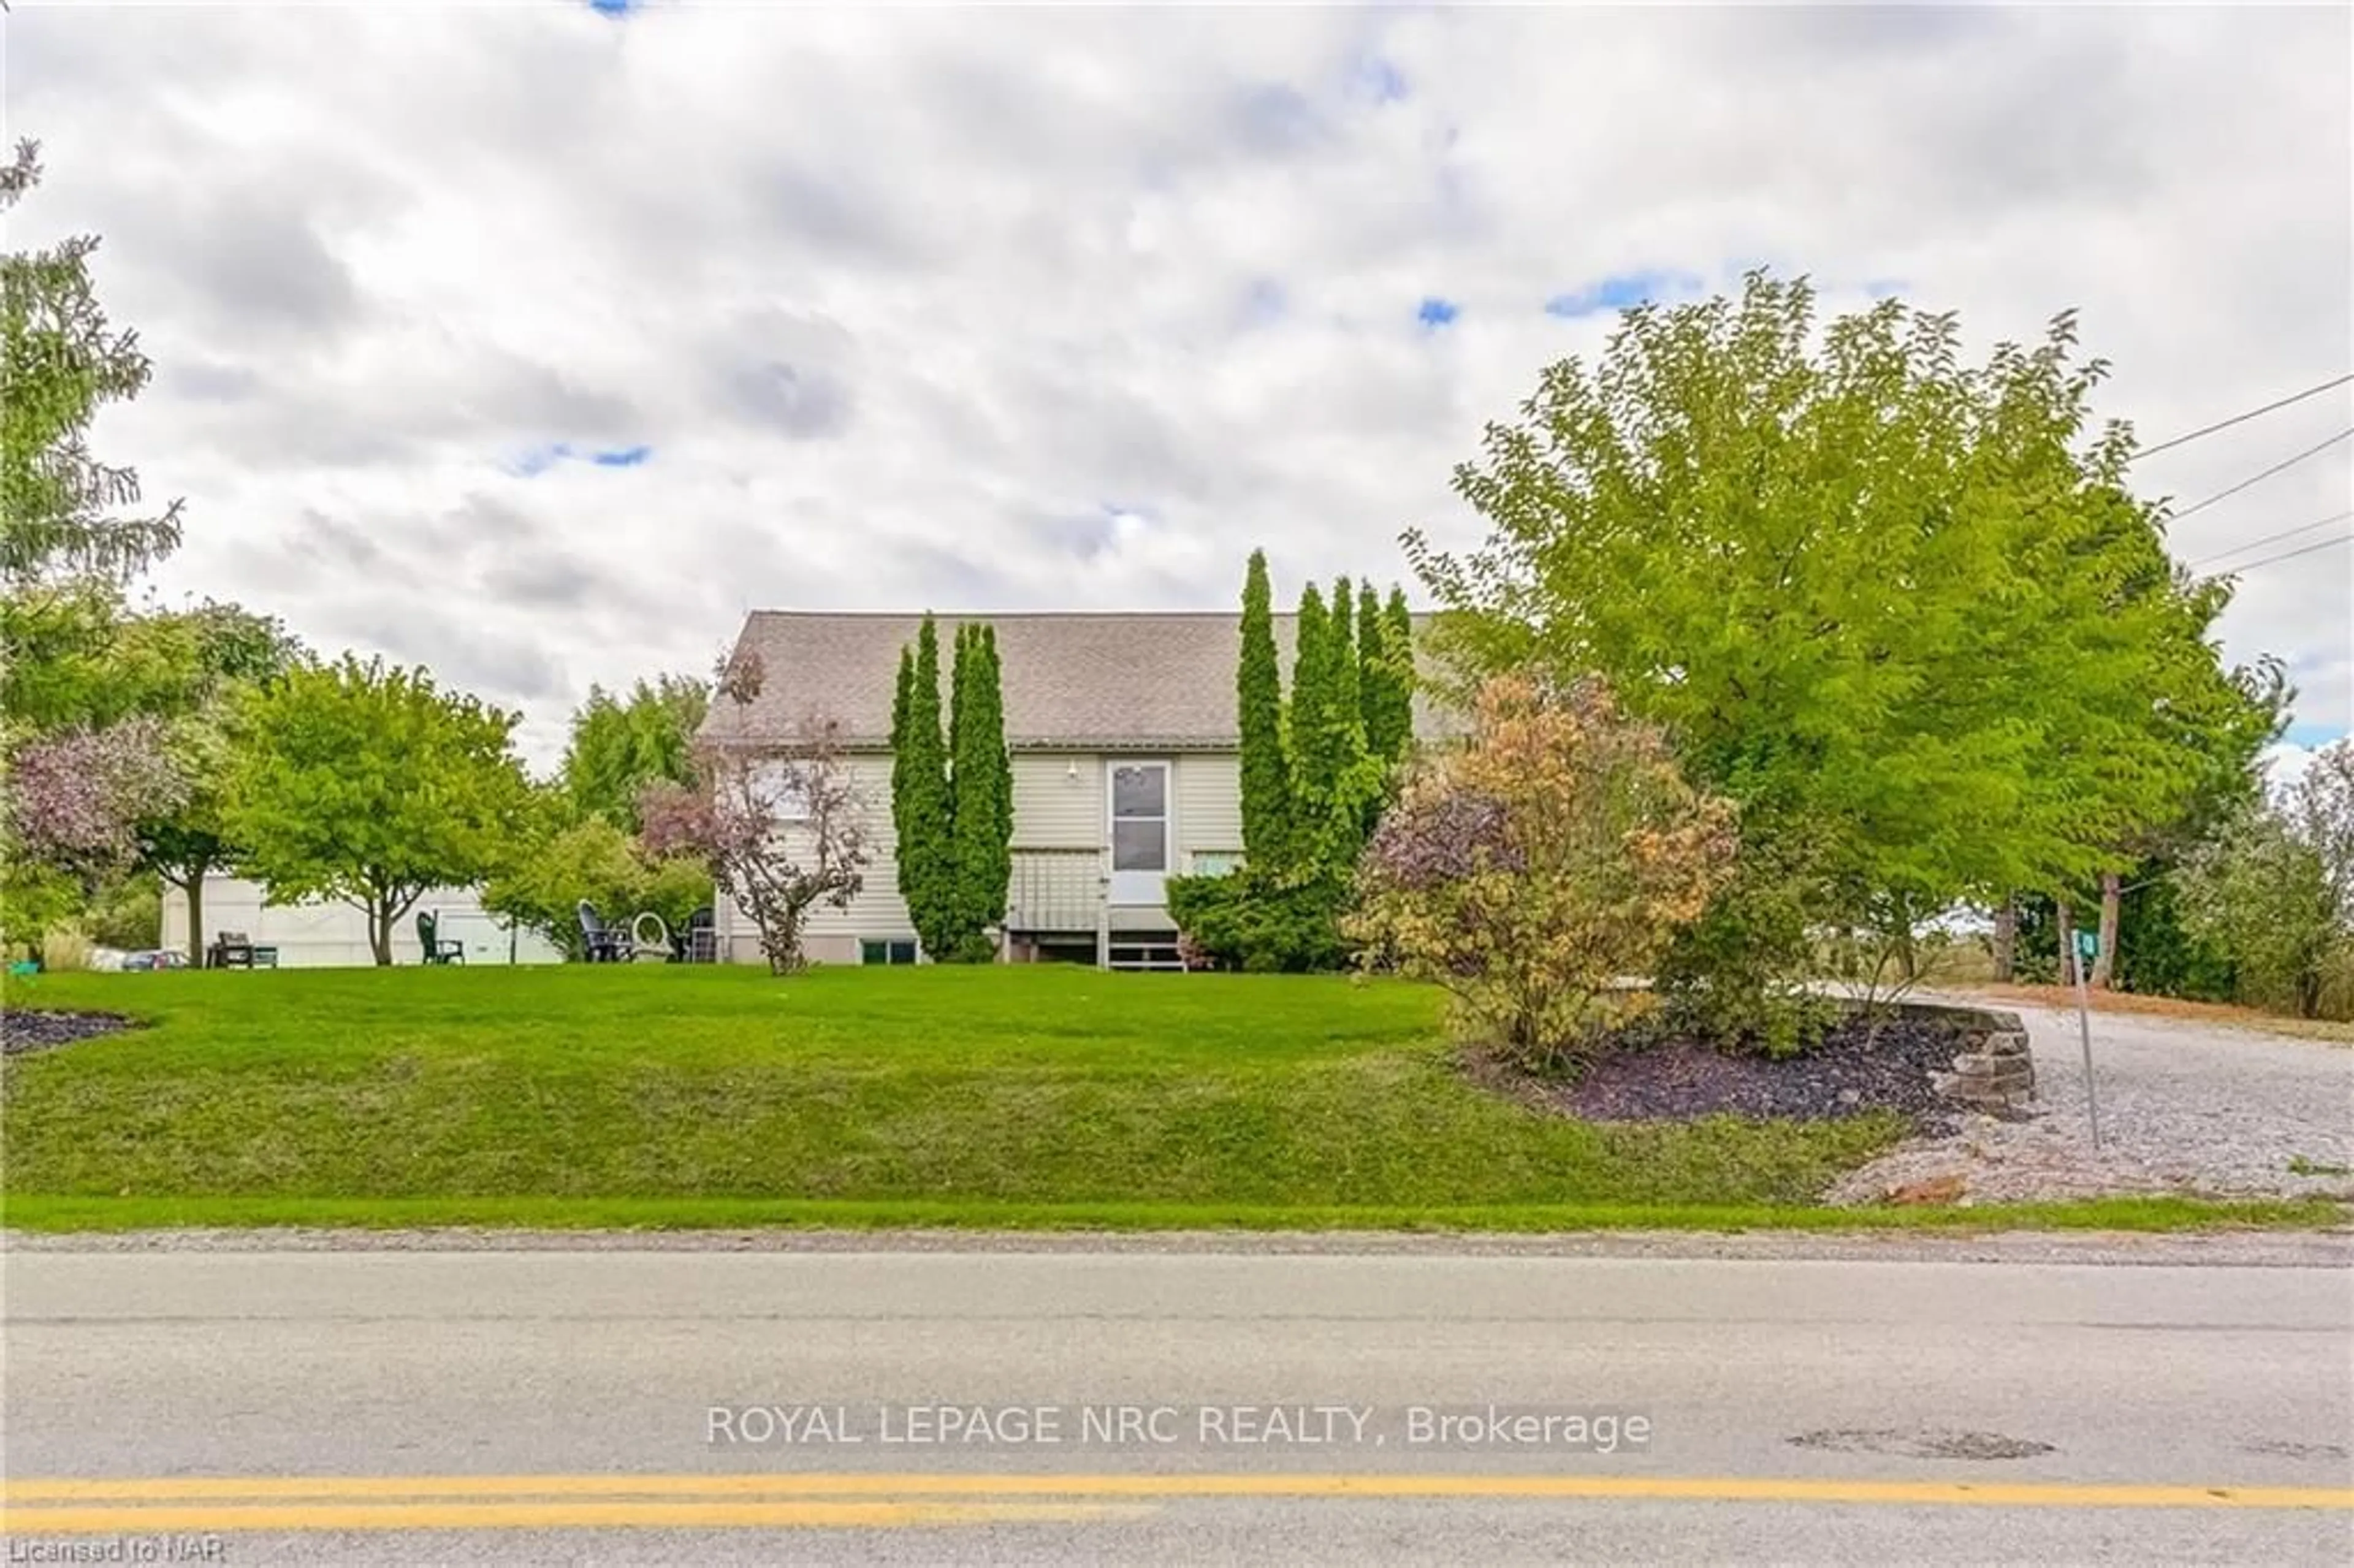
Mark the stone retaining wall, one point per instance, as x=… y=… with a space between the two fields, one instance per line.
x=1994 y=1071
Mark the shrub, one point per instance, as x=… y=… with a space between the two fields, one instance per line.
x=1256 y=921
x=1534 y=870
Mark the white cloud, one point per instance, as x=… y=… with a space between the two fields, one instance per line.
x=993 y=308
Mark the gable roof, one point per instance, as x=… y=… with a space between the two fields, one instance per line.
x=1129 y=681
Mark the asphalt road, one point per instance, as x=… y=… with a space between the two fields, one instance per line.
x=632 y=1406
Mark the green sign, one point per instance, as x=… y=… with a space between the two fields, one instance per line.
x=2088 y=945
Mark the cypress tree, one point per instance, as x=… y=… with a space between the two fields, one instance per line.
x=921 y=804
x=1258 y=706
x=1000 y=768
x=1313 y=769
x=1372 y=643
x=981 y=782
x=1346 y=698
x=1397 y=641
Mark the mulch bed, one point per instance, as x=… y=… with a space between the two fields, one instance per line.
x=1855 y=1070
x=23 y=1031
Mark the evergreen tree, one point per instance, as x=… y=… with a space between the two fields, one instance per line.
x=1313 y=769
x=980 y=784
x=921 y=807
x=1397 y=638
x=1385 y=654
x=1258 y=698
x=1371 y=643
x=1347 y=684
x=989 y=856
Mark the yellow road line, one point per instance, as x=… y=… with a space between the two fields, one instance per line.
x=572 y=1514
x=806 y=1484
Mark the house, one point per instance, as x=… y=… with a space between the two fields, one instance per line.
x=1126 y=769
x=325 y=932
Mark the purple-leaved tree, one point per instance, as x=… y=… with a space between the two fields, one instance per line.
x=783 y=831
x=75 y=798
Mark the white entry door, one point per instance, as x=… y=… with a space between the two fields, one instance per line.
x=1139 y=794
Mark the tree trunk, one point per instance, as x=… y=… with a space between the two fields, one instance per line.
x=380 y=931
x=2006 y=940
x=196 y=890
x=2105 y=963
x=2063 y=922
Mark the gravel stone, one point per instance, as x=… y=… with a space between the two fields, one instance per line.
x=2185 y=1108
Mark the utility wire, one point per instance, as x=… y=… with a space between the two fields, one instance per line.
x=2284 y=555
x=2283 y=533
x=2256 y=478
x=2242 y=419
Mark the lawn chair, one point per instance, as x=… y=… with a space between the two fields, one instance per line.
x=603 y=943
x=438 y=951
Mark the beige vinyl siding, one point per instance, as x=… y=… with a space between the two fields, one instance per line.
x=1058 y=801
x=1209 y=790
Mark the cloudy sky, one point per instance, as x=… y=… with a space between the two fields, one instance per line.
x=537 y=342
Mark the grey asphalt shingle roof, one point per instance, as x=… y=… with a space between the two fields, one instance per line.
x=1125 y=680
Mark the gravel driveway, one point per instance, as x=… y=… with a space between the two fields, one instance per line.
x=2185 y=1107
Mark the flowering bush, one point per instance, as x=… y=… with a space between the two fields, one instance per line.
x=1536 y=869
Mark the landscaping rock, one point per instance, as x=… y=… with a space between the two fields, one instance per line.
x=23 y=1031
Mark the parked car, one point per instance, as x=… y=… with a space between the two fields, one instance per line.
x=157 y=959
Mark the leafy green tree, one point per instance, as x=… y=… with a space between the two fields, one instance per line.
x=60 y=363
x=591 y=859
x=371 y=785
x=981 y=805
x=619 y=746
x=1266 y=794
x=225 y=650
x=921 y=806
x=1871 y=592
x=2274 y=889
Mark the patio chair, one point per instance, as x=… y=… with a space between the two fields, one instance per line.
x=603 y=943
x=437 y=950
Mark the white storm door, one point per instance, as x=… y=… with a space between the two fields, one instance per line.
x=1139 y=794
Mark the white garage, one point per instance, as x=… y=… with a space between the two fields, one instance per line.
x=326 y=934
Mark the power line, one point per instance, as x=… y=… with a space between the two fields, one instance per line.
x=2257 y=477
x=2244 y=419
x=2284 y=555
x=2283 y=533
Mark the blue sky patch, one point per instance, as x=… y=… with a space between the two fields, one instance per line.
x=539 y=459
x=1380 y=80
x=613 y=7
x=1622 y=292
x=1435 y=312
x=1265 y=303
x=2313 y=735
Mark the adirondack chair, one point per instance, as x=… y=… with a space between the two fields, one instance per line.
x=428 y=938
x=603 y=944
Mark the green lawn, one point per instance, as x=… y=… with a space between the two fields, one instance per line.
x=1019 y=1096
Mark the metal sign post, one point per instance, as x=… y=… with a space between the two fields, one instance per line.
x=2088 y=947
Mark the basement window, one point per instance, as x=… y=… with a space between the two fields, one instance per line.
x=890 y=952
